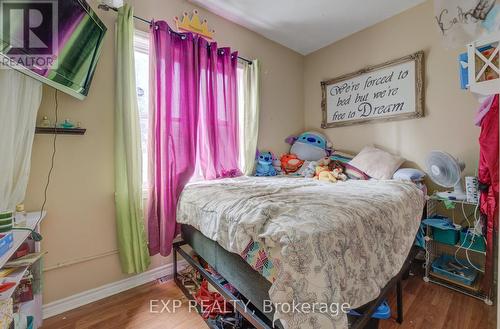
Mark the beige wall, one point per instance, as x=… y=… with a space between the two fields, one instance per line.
x=80 y=221
x=449 y=111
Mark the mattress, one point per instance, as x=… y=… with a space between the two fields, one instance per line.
x=232 y=267
x=331 y=243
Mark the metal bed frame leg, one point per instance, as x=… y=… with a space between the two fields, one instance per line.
x=175 y=262
x=399 y=298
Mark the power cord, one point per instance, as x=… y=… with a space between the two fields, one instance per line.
x=54 y=149
x=35 y=235
x=472 y=239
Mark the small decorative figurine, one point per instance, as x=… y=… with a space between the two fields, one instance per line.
x=45 y=123
x=67 y=124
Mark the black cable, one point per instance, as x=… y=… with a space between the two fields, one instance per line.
x=34 y=235
x=53 y=156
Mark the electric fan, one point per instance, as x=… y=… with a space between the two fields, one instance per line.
x=446 y=171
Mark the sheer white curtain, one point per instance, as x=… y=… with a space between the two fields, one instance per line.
x=249 y=107
x=20 y=98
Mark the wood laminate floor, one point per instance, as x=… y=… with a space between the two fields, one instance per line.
x=426 y=306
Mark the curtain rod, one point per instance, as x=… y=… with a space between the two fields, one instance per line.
x=108 y=8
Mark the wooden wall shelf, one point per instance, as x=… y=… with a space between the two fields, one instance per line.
x=60 y=131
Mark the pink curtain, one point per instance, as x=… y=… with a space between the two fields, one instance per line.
x=193 y=123
x=218 y=125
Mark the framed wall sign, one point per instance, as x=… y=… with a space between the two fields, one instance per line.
x=390 y=91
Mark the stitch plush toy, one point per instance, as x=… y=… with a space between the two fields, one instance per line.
x=310 y=146
x=265 y=164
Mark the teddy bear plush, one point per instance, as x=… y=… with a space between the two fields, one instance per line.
x=327 y=170
x=335 y=164
x=324 y=162
x=332 y=176
x=265 y=164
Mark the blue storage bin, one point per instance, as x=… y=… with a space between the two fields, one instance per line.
x=6 y=242
x=443 y=230
x=449 y=236
x=31 y=321
x=463 y=62
x=466 y=241
x=465 y=276
x=382 y=312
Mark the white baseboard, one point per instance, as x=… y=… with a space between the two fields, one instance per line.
x=92 y=295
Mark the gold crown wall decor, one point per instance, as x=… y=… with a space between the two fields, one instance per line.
x=194 y=24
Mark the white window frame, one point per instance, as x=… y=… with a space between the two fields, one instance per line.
x=141 y=44
x=141 y=41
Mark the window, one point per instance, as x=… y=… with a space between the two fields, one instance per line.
x=141 y=52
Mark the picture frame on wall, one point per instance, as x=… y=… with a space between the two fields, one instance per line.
x=390 y=91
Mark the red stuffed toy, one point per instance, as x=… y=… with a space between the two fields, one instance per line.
x=211 y=303
x=290 y=163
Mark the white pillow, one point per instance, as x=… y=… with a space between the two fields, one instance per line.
x=376 y=163
x=409 y=174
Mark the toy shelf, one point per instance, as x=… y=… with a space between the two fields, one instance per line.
x=465 y=202
x=483 y=65
x=443 y=280
x=32 y=221
x=457 y=246
x=434 y=249
x=33 y=307
x=16 y=277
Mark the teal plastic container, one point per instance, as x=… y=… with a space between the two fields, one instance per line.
x=449 y=236
x=31 y=322
x=465 y=276
x=466 y=240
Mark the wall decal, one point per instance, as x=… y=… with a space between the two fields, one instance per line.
x=194 y=24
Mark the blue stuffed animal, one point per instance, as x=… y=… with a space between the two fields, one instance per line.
x=309 y=146
x=265 y=164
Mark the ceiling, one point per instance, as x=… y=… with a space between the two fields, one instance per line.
x=306 y=25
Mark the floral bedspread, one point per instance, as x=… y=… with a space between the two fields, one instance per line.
x=334 y=243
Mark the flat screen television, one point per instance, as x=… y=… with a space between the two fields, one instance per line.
x=55 y=41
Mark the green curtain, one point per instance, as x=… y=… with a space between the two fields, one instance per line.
x=132 y=243
x=251 y=108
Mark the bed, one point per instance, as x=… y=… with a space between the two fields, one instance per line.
x=330 y=243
